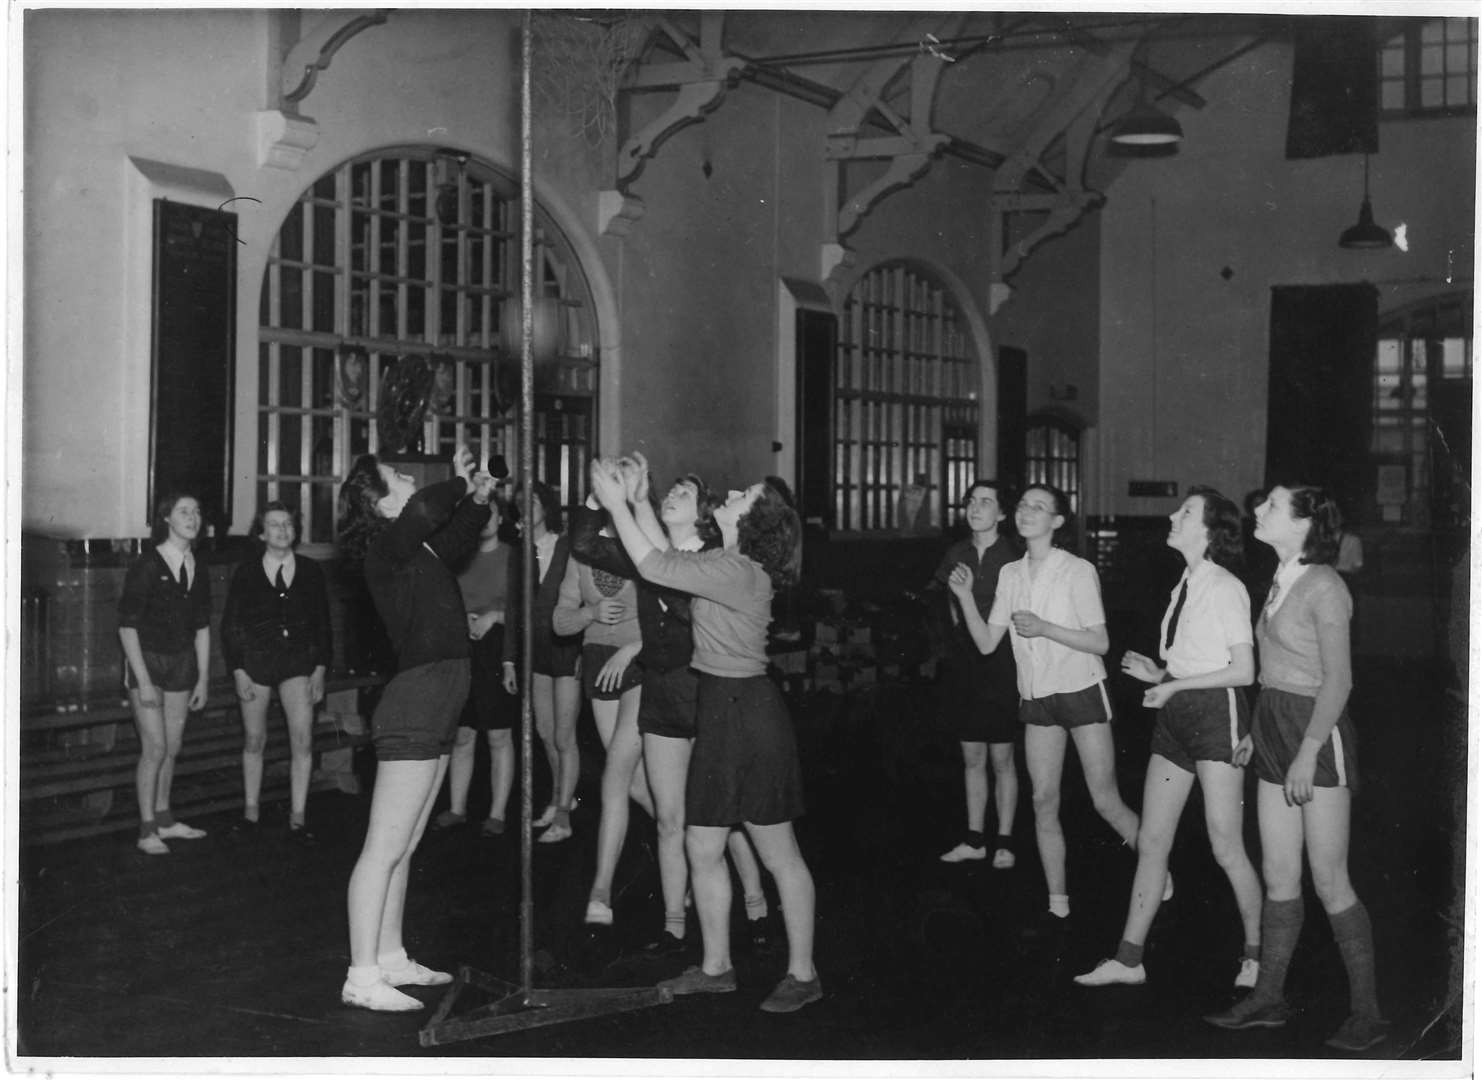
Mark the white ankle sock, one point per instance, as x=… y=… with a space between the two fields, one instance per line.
x=391 y=961
x=364 y=975
x=1060 y=904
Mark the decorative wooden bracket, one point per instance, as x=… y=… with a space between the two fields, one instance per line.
x=312 y=54
x=702 y=78
x=1072 y=115
x=909 y=152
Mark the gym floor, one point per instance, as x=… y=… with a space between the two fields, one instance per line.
x=236 y=948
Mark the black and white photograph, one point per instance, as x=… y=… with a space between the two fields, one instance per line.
x=796 y=540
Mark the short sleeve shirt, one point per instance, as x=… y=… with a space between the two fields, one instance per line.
x=1215 y=616
x=1066 y=592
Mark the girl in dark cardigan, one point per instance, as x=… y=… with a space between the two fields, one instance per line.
x=406 y=540
x=275 y=631
x=164 y=626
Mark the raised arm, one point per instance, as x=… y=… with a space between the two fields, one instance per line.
x=612 y=493
x=986 y=636
x=639 y=483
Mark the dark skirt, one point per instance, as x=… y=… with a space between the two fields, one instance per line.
x=745 y=763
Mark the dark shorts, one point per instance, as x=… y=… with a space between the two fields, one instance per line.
x=982 y=708
x=1277 y=730
x=1201 y=725
x=171 y=672
x=667 y=706
x=488 y=707
x=745 y=762
x=417 y=717
x=556 y=656
x=277 y=666
x=1078 y=708
x=592 y=659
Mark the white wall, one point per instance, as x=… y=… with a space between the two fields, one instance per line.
x=184 y=88
x=1184 y=351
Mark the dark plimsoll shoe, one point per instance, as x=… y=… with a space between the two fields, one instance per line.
x=666 y=944
x=1249 y=1013
x=792 y=994
x=1358 y=1033
x=301 y=836
x=694 y=980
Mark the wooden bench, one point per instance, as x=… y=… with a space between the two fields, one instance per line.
x=77 y=764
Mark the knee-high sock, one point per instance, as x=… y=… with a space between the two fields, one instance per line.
x=1355 y=937
x=1281 y=926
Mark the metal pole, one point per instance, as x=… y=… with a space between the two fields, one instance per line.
x=527 y=476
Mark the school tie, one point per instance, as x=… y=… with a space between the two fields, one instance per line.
x=1178 y=609
x=281 y=585
x=184 y=580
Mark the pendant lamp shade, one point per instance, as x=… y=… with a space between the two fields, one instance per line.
x=1146 y=125
x=1366 y=234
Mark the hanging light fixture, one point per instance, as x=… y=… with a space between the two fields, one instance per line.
x=1145 y=125
x=1367 y=234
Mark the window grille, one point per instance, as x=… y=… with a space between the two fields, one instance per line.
x=905 y=400
x=414 y=251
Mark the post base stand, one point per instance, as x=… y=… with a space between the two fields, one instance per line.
x=514 y=1010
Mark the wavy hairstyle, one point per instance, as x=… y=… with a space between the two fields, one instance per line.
x=277 y=504
x=1222 y=523
x=164 y=506
x=361 y=520
x=1317 y=505
x=771 y=534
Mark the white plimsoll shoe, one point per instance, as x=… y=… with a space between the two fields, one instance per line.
x=1250 y=971
x=1112 y=972
x=415 y=974
x=153 y=845
x=964 y=853
x=181 y=831
x=379 y=996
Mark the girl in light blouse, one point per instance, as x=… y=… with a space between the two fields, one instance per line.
x=1201 y=730
x=1052 y=599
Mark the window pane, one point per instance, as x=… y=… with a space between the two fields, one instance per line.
x=291 y=304
x=1458 y=90
x=290 y=376
x=324 y=219
x=324 y=301
x=1432 y=93
x=1454 y=358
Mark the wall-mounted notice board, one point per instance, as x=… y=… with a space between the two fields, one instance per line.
x=194 y=334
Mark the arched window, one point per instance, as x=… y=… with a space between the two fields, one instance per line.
x=905 y=403
x=1422 y=396
x=1052 y=455
x=401 y=252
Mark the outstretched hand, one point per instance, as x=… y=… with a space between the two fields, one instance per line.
x=608 y=485
x=638 y=479
x=464 y=463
